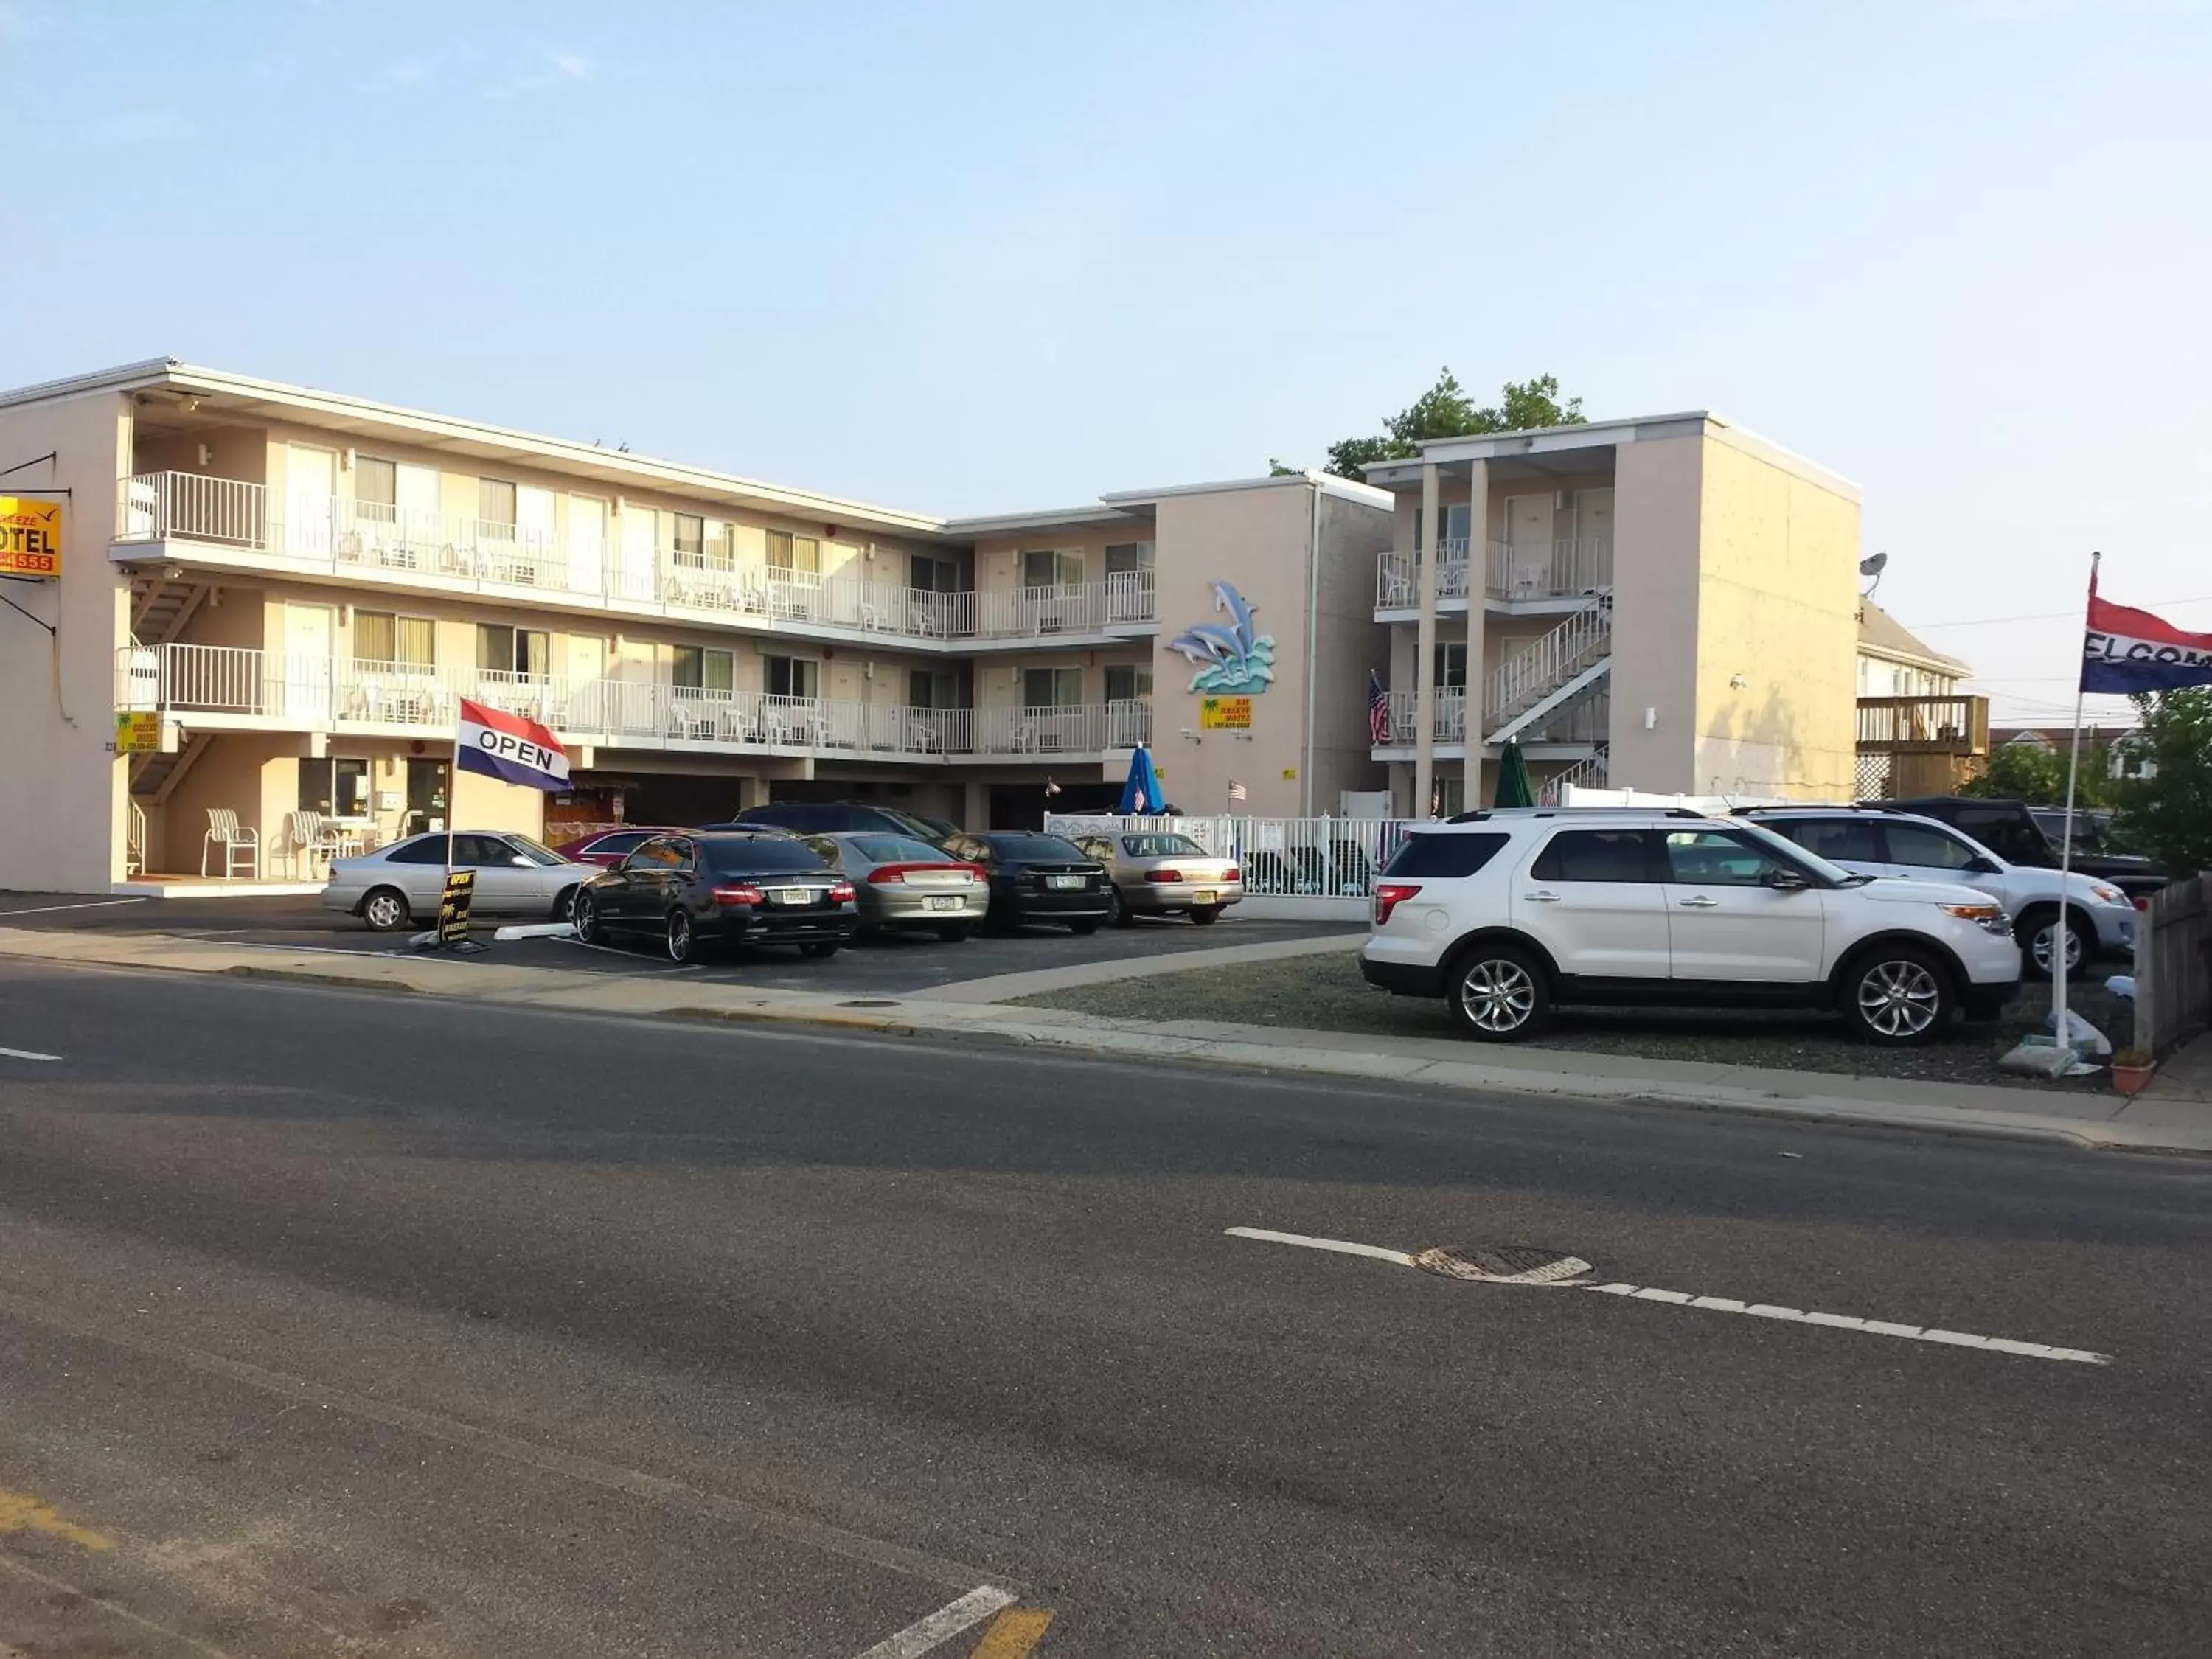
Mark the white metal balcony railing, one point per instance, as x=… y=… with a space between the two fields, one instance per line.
x=1546 y=663
x=319 y=693
x=1398 y=576
x=1549 y=570
x=1583 y=720
x=336 y=534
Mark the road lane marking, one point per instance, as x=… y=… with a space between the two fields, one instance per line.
x=941 y=1626
x=106 y=1603
x=1013 y=1634
x=26 y=1053
x=24 y=1511
x=92 y=904
x=1721 y=1305
x=549 y=1460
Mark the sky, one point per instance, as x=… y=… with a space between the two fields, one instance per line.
x=971 y=257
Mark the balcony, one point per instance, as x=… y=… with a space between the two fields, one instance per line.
x=1574 y=725
x=219 y=687
x=375 y=542
x=1546 y=572
x=1398 y=577
x=1921 y=746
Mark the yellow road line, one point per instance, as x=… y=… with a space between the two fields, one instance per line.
x=21 y=1512
x=1013 y=1634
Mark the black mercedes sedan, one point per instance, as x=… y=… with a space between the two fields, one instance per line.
x=698 y=891
x=1037 y=877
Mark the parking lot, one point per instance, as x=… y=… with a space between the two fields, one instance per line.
x=888 y=966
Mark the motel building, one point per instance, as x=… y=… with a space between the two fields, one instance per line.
x=267 y=601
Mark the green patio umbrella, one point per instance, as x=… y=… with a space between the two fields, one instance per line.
x=1514 y=788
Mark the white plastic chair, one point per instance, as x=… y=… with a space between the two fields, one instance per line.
x=223 y=830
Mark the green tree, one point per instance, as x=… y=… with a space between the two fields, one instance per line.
x=2169 y=813
x=2023 y=771
x=1445 y=411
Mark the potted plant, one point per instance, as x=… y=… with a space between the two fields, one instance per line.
x=2131 y=1070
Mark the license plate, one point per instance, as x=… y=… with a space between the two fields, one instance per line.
x=949 y=902
x=1204 y=896
x=794 y=896
x=1064 y=882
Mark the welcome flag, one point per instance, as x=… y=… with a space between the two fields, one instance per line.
x=2131 y=650
x=510 y=748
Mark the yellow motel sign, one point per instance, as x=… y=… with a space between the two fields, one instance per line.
x=137 y=731
x=1224 y=715
x=30 y=538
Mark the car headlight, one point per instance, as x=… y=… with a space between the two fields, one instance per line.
x=2112 y=895
x=1989 y=918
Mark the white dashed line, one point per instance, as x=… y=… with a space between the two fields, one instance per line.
x=941 y=1626
x=89 y=904
x=26 y=1053
x=1727 y=1304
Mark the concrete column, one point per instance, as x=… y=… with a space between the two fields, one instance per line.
x=751 y=791
x=976 y=813
x=1424 y=646
x=1478 y=622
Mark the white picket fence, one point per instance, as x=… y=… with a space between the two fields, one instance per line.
x=1317 y=859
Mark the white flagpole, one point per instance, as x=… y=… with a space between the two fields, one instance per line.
x=2066 y=857
x=452 y=796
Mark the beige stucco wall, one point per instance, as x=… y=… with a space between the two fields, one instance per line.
x=997 y=562
x=1658 y=498
x=62 y=792
x=1777 y=606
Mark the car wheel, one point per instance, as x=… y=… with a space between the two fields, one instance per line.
x=1898 y=996
x=953 y=932
x=682 y=943
x=1087 y=925
x=585 y=916
x=384 y=910
x=821 y=949
x=2038 y=933
x=1204 y=915
x=564 y=906
x=1117 y=908
x=1498 y=994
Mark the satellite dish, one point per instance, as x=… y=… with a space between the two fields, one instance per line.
x=1874 y=565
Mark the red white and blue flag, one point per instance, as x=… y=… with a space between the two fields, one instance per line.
x=2131 y=650
x=1380 y=727
x=510 y=748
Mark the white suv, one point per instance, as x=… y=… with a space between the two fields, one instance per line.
x=1878 y=842
x=1505 y=913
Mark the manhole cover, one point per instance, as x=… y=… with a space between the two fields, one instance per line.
x=870 y=1002
x=1502 y=1264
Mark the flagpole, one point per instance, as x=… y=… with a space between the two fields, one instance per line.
x=2060 y=928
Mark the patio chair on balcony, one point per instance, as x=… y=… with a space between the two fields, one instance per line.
x=223 y=831
x=1397 y=590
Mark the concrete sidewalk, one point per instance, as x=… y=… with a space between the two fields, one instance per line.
x=2154 y=1122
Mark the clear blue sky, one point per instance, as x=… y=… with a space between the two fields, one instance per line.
x=981 y=258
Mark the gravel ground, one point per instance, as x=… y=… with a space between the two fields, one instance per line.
x=1325 y=993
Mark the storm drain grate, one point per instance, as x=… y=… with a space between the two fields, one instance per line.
x=1502 y=1264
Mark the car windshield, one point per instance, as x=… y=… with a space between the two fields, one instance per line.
x=1158 y=846
x=532 y=851
x=1018 y=848
x=751 y=854
x=896 y=849
x=1804 y=857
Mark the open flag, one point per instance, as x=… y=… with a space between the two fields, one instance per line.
x=510 y=748
x=2131 y=650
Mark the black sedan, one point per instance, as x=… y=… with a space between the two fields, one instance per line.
x=696 y=891
x=1037 y=877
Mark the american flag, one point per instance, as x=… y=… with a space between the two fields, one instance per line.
x=1237 y=792
x=1378 y=710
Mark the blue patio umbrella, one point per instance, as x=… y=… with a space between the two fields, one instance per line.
x=1141 y=795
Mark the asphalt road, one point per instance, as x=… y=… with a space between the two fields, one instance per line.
x=889 y=966
x=361 y=1325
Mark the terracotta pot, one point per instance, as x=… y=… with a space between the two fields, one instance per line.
x=2132 y=1079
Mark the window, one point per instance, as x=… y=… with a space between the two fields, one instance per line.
x=934 y=688
x=1715 y=858
x=504 y=650
x=792 y=677
x=1846 y=839
x=376 y=489
x=786 y=551
x=1128 y=682
x=623 y=841
x=1052 y=687
x=496 y=502
x=1451 y=796
x=1153 y=847
x=1594 y=855
x=1429 y=853
x=334 y=787
x=1031 y=846
x=1451 y=665
x=380 y=636
x=1052 y=568
x=689 y=533
x=698 y=669
x=1457 y=519
x=1125 y=556
x=896 y=849
x=933 y=575
x=430 y=849
x=2011 y=835
x=1919 y=845
x=661 y=853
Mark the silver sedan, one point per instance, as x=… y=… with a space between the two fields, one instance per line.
x=1155 y=874
x=901 y=882
x=401 y=884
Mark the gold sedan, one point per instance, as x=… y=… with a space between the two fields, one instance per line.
x=1151 y=873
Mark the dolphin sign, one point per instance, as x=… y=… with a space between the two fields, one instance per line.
x=1232 y=660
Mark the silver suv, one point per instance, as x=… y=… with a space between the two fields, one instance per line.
x=1506 y=913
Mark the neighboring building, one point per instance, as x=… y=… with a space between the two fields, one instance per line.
x=1667 y=603
x=1919 y=733
x=2118 y=747
x=299 y=585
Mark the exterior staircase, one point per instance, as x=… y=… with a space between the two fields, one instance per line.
x=160 y=608
x=1550 y=674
